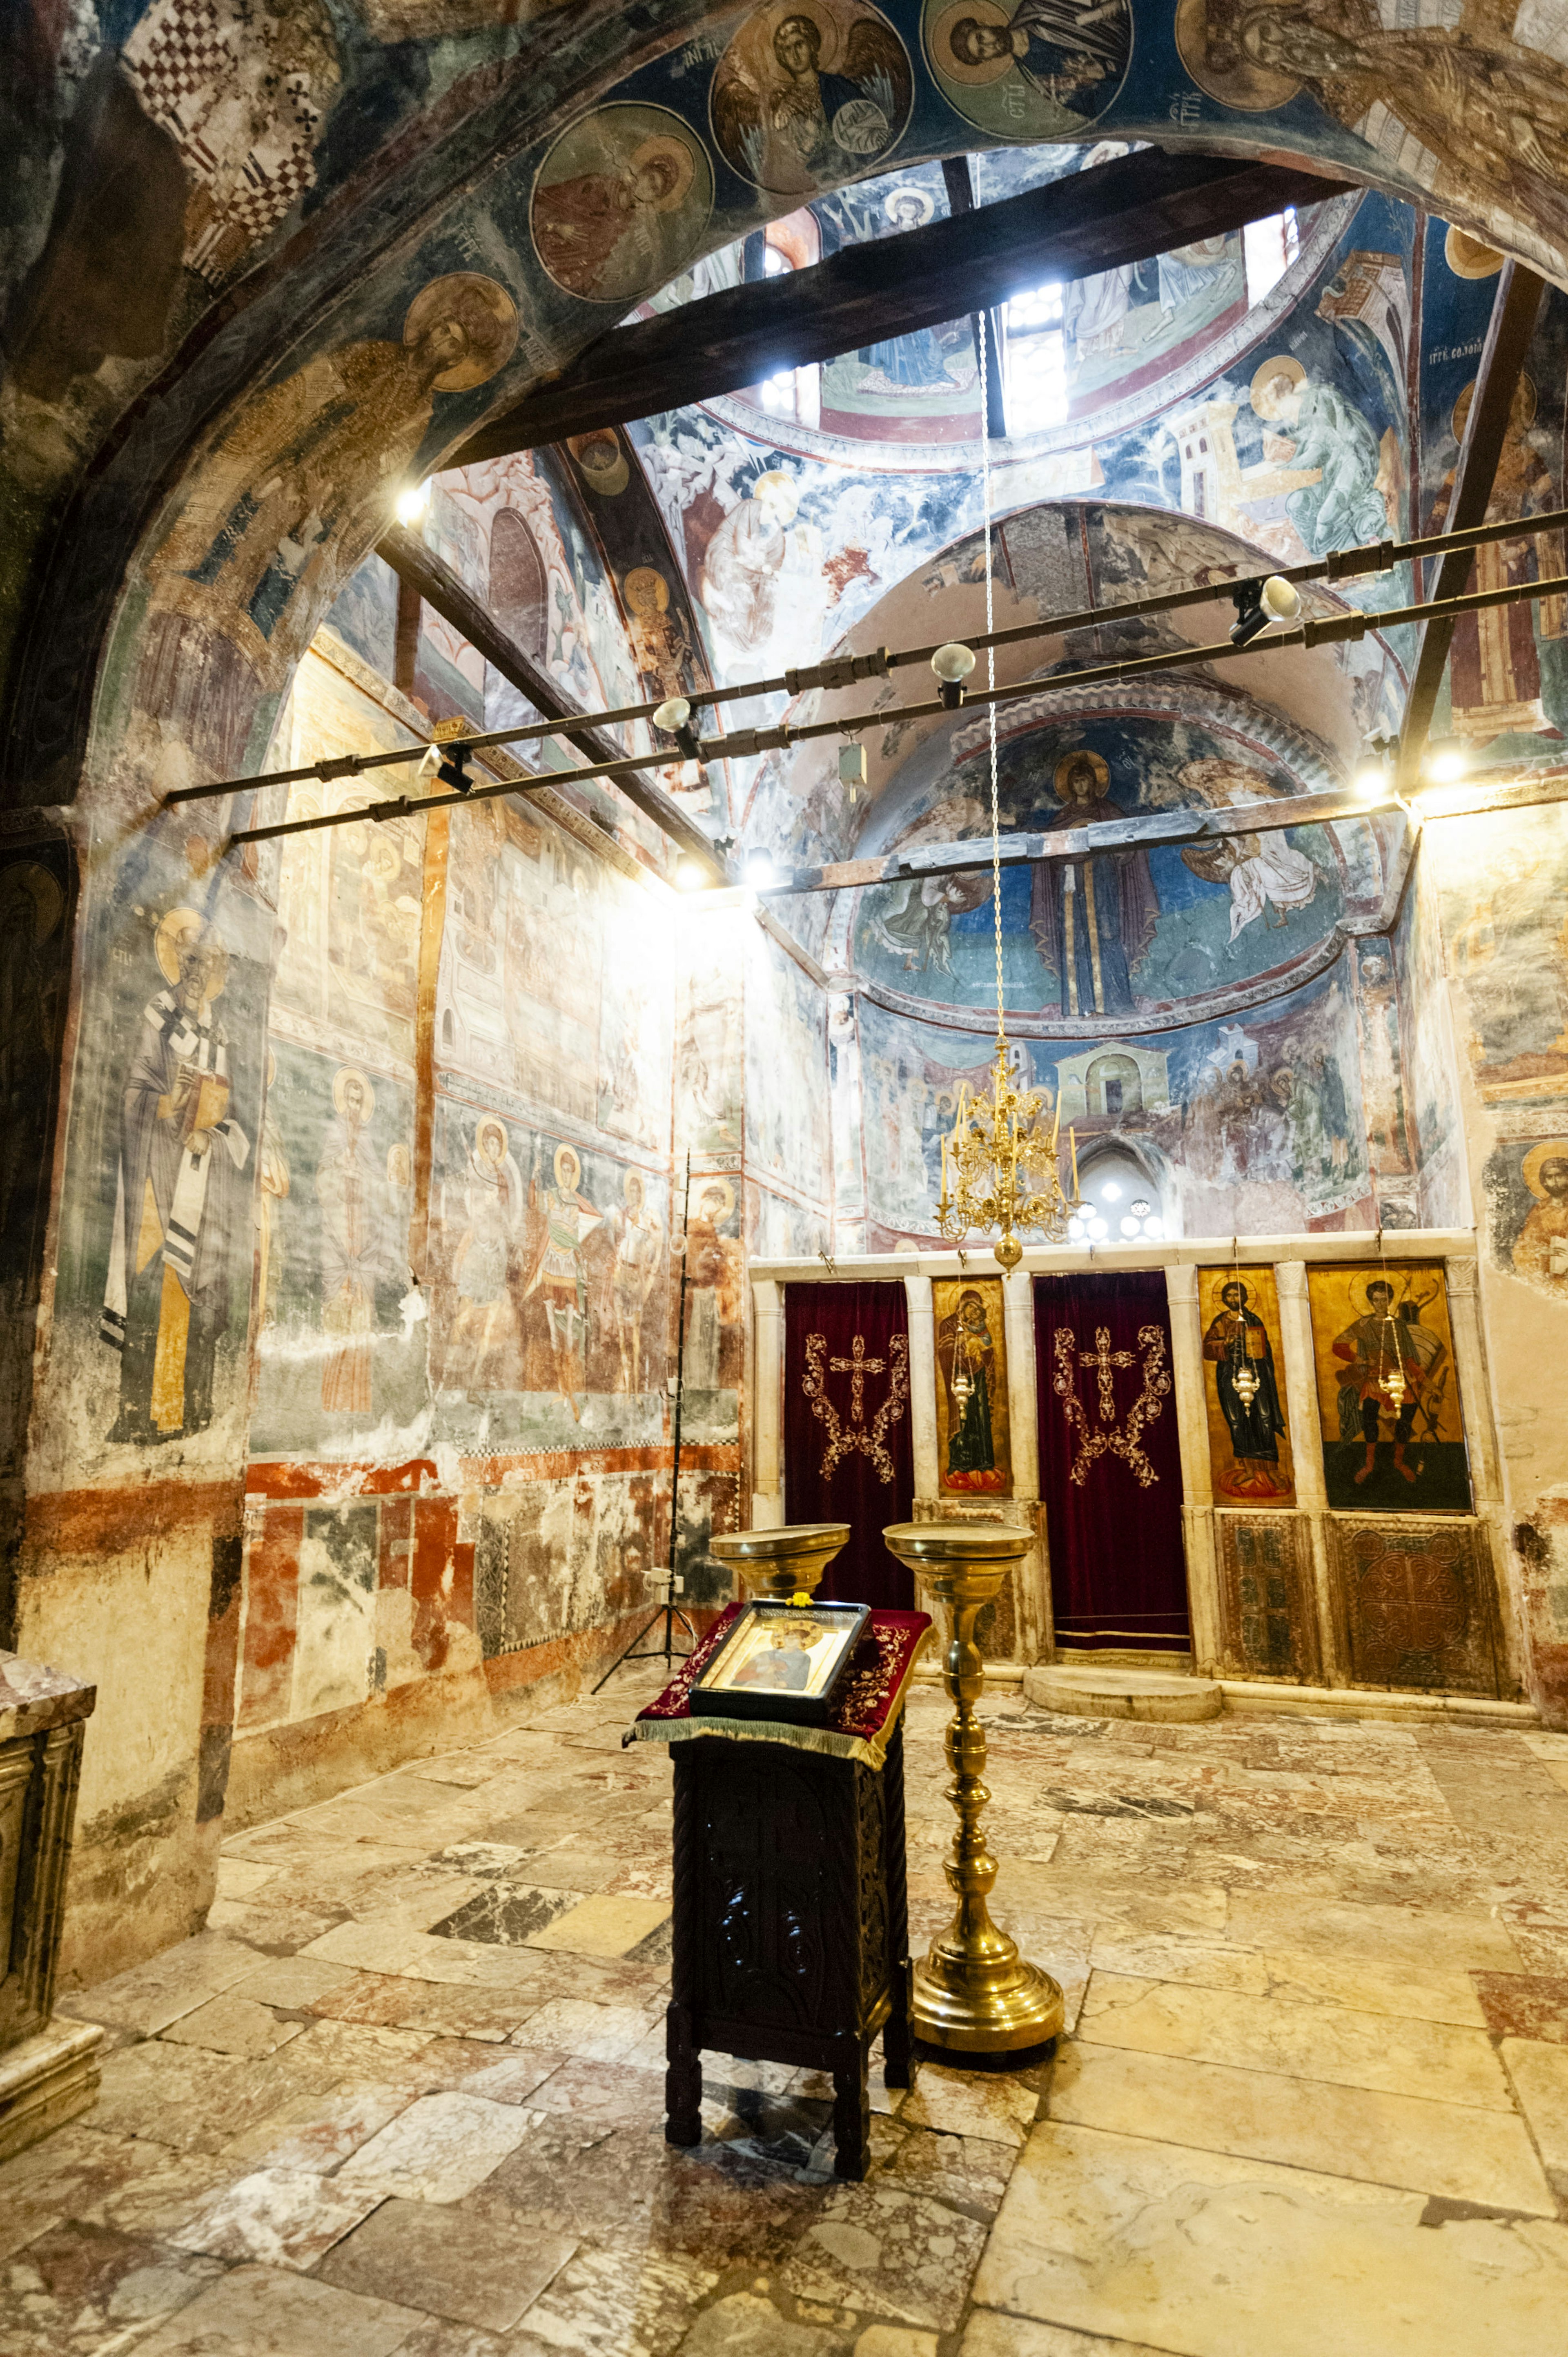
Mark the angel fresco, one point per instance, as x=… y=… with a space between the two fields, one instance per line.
x=1262 y=872
x=915 y=921
x=805 y=96
x=621 y=199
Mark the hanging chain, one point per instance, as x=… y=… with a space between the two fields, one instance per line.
x=991 y=662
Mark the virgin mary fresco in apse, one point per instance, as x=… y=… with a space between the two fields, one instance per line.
x=1093 y=918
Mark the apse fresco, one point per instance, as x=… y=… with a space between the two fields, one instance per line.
x=1136 y=931
x=1253 y=1126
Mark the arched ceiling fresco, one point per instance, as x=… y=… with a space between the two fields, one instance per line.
x=329 y=239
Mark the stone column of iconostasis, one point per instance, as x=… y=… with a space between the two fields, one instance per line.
x=1036 y=1634
x=1481 y=1439
x=922 y=1384
x=1198 y=1489
x=1307 y=1456
x=767 y=1404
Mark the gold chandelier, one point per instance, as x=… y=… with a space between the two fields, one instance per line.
x=999 y=1172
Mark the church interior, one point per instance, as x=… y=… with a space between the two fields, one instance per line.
x=772 y=775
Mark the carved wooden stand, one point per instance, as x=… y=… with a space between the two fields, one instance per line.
x=790 y=1925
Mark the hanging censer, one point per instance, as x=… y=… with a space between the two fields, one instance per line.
x=1243 y=1374
x=1390 y=1379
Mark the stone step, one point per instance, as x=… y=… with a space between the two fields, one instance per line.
x=1102 y=1692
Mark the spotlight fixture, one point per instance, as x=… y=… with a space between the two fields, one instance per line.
x=1443 y=768
x=674 y=717
x=952 y=665
x=1259 y=605
x=412 y=503
x=448 y=766
x=759 y=870
x=1374 y=775
x=851 y=771
x=688 y=875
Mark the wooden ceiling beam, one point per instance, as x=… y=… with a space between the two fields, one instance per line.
x=1129 y=210
x=1509 y=334
x=439 y=587
x=959 y=183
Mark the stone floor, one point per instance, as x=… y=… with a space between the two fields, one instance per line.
x=404 y=2092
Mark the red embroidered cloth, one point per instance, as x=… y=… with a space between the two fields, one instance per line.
x=862 y=1725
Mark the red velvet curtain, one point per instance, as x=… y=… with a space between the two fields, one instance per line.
x=848 y=1453
x=1110 y=1461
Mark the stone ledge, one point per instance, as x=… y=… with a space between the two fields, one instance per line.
x=1105 y=1693
x=47 y=2079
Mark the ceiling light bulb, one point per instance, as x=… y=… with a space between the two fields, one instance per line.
x=688 y=875
x=1098 y=1228
x=413 y=502
x=759 y=869
x=1371 y=781
x=673 y=714
x=1155 y=1227
x=1128 y=1227
x=1443 y=768
x=1112 y=1191
x=1280 y=599
x=952 y=662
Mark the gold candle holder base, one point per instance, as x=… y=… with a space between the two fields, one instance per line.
x=974 y=1994
x=785 y=1562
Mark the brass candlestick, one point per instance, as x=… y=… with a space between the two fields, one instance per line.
x=785 y=1562
x=974 y=1993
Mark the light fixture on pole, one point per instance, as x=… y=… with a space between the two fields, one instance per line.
x=999 y=1170
x=1260 y=604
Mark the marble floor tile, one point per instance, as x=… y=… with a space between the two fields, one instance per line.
x=87 y=2289
x=237 y=1878
x=1540 y=2074
x=602 y=1926
x=268 y=2312
x=1522 y=2004
x=1431 y=1996
x=233 y=2025
x=504 y=1914
x=1203 y=2256
x=149 y=1997
x=599 y=2033
x=988 y=2334
x=612 y=2303
x=1309 y=2041
x=888 y=2253
x=474 y=2270
x=1454 y=2150
x=67 y=2176
x=468 y=1963
x=278 y=2217
x=747 y=2326
x=394 y=2003
x=602 y=2094
x=463 y=1768
x=317 y=2132
x=1422 y=1937
x=971 y=2172
x=970 y=2104
x=191 y=2099
x=292 y=1981
x=439 y=2148
x=628 y=2191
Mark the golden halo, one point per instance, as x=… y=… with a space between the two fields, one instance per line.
x=588 y=449
x=647 y=578
x=567 y=1154
x=1281 y=365
x=1070 y=760
x=490 y=1126
x=777 y=482
x=484 y=312
x=924 y=202
x=664 y=143
x=175 y=929
x=1468 y=257
x=43 y=890
x=1522 y=408
x=949 y=66
x=716 y=1185
x=383 y=859
x=1554 y=1149
x=1217 y=61
x=768 y=21
x=341 y=1090
x=634 y=1178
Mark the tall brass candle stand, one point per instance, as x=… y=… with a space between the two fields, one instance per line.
x=974 y=1993
x=785 y=1562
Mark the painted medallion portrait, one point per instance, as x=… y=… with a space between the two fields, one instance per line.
x=620 y=203
x=1041 y=70
x=1241 y=51
x=1387 y=1390
x=807 y=96
x=973 y=1445
x=1243 y=1387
